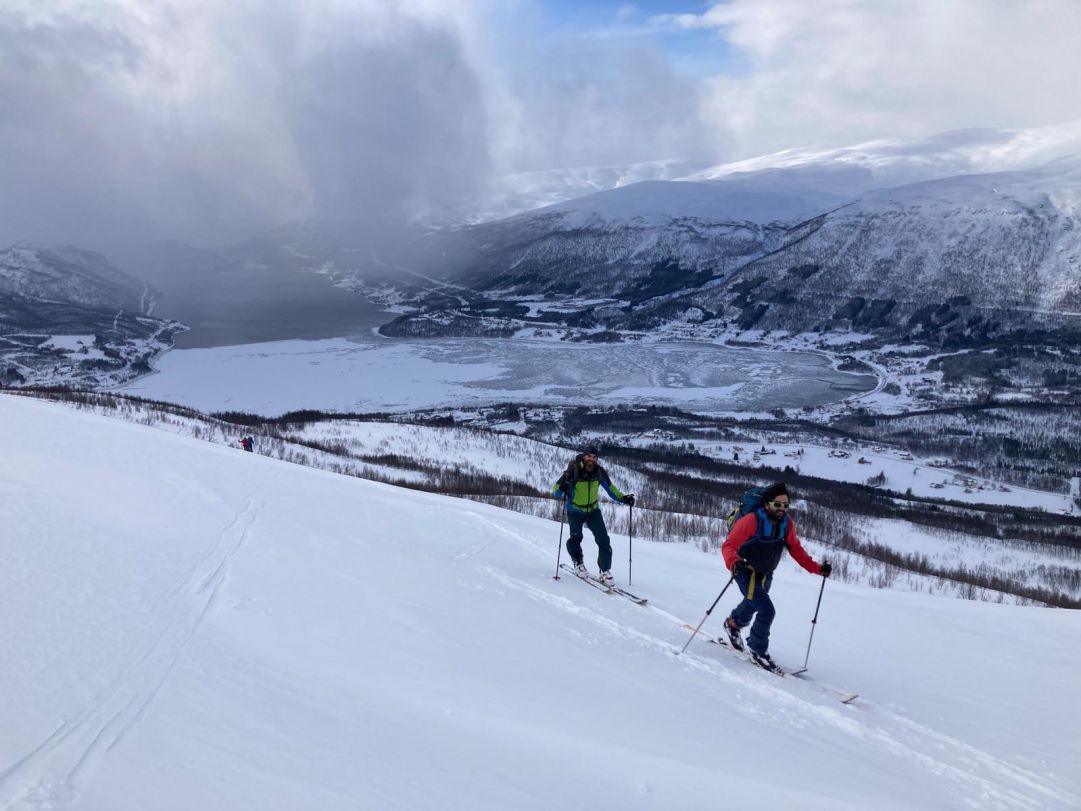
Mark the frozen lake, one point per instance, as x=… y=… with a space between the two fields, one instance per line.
x=373 y=374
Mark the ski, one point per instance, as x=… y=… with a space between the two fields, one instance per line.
x=716 y=641
x=587 y=579
x=597 y=584
x=632 y=597
x=801 y=674
x=742 y=655
x=779 y=671
x=843 y=697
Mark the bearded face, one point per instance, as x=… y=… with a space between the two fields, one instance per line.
x=777 y=507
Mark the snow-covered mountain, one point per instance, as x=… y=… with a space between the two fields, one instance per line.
x=189 y=626
x=845 y=171
x=811 y=240
x=1006 y=244
x=73 y=276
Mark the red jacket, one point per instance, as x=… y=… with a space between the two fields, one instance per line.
x=744 y=529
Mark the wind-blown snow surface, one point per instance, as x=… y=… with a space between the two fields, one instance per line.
x=186 y=626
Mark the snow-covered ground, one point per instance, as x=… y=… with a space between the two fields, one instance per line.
x=501 y=455
x=901 y=473
x=186 y=626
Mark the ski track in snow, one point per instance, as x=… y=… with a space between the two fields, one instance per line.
x=988 y=782
x=55 y=771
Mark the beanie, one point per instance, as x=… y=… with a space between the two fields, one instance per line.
x=774 y=490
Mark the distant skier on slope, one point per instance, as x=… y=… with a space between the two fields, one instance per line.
x=247 y=443
x=580 y=486
x=751 y=552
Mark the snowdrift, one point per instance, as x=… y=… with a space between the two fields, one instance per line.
x=188 y=626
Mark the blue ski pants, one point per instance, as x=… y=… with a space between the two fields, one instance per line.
x=756 y=603
x=595 y=521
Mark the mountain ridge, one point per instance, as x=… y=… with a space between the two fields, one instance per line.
x=995 y=244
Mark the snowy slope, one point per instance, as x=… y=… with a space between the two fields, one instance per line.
x=760 y=200
x=186 y=626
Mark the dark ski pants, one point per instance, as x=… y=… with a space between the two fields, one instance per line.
x=758 y=605
x=595 y=521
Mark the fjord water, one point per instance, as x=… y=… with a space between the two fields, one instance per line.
x=244 y=305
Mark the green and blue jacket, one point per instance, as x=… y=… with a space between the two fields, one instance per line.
x=582 y=488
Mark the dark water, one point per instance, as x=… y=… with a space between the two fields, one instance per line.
x=243 y=306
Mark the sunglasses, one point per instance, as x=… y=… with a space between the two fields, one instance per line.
x=779 y=505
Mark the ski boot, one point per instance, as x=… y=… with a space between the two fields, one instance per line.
x=734 y=637
x=764 y=661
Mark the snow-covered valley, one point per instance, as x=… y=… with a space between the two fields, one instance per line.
x=187 y=625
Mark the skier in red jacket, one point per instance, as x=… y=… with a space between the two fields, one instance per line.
x=751 y=552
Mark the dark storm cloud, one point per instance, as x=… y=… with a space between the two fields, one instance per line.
x=391 y=128
x=207 y=121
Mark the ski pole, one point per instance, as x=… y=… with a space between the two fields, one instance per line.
x=630 y=546
x=708 y=612
x=814 y=621
x=559 y=551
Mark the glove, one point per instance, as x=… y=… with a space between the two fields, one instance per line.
x=738 y=566
x=826 y=568
x=629 y=499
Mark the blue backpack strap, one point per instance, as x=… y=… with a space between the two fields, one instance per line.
x=763 y=524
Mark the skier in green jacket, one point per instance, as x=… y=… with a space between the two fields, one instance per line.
x=580 y=487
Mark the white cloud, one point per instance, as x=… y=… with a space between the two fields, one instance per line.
x=208 y=120
x=842 y=71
